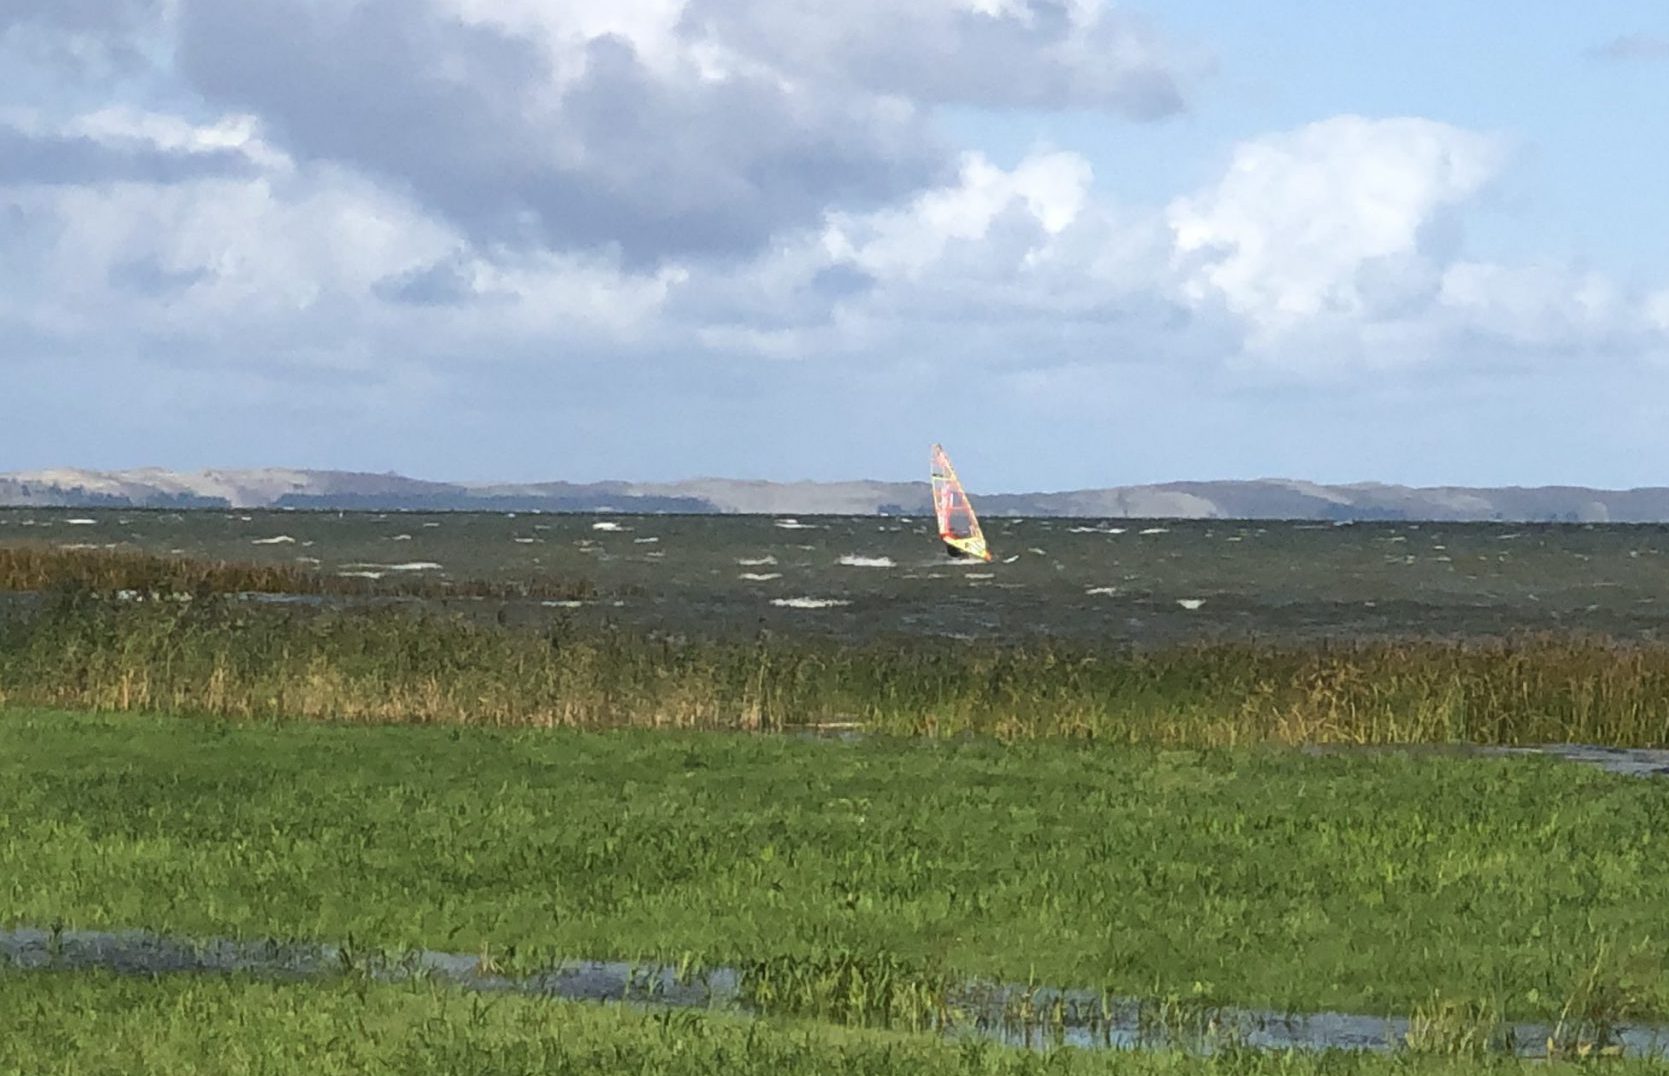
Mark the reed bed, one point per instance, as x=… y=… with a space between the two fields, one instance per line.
x=152 y=575
x=85 y=650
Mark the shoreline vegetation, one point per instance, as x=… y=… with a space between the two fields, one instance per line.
x=126 y=631
x=155 y=576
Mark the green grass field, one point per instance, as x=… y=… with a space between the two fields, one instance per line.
x=1256 y=877
x=59 y=1024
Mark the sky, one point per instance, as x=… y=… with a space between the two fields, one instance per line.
x=1081 y=243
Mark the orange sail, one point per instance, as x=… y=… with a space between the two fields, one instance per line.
x=958 y=525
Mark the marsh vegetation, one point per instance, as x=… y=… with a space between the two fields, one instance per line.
x=93 y=650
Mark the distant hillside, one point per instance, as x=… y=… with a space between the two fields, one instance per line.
x=1262 y=499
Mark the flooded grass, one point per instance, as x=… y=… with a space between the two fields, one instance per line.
x=852 y=881
x=95 y=1024
x=136 y=574
x=232 y=659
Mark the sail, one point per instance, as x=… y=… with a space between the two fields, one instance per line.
x=958 y=525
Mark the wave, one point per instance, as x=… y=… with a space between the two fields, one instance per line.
x=852 y=560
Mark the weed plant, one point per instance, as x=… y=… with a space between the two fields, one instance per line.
x=89 y=650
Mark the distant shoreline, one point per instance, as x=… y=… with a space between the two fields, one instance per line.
x=1261 y=499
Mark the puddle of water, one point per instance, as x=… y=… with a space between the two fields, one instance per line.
x=143 y=953
x=1628 y=761
x=1016 y=1015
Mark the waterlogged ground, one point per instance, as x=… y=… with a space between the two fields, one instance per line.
x=1369 y=884
x=100 y=1025
x=1147 y=582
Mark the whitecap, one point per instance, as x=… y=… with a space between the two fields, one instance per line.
x=644 y=541
x=277 y=539
x=361 y=575
x=307 y=560
x=809 y=603
x=755 y=562
x=607 y=525
x=1104 y=591
x=1011 y=560
x=524 y=541
x=789 y=523
x=563 y=604
x=413 y=566
x=979 y=575
x=759 y=577
x=1190 y=603
x=852 y=560
x=79 y=522
x=1038 y=551
x=1155 y=530
x=401 y=538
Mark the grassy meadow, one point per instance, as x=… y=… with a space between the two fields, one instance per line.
x=1253 y=877
x=99 y=1025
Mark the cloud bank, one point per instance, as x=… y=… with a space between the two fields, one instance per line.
x=428 y=213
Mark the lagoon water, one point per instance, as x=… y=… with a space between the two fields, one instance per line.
x=1124 y=581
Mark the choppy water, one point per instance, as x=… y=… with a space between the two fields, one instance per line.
x=1021 y=1016
x=1127 y=580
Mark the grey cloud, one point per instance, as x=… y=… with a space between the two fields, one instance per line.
x=87 y=16
x=79 y=36
x=838 y=282
x=149 y=277
x=448 y=111
x=445 y=283
x=1633 y=47
x=59 y=160
x=1038 y=58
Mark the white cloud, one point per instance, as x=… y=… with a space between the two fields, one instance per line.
x=1323 y=220
x=1049 y=189
x=1540 y=306
x=993 y=53
x=1658 y=310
